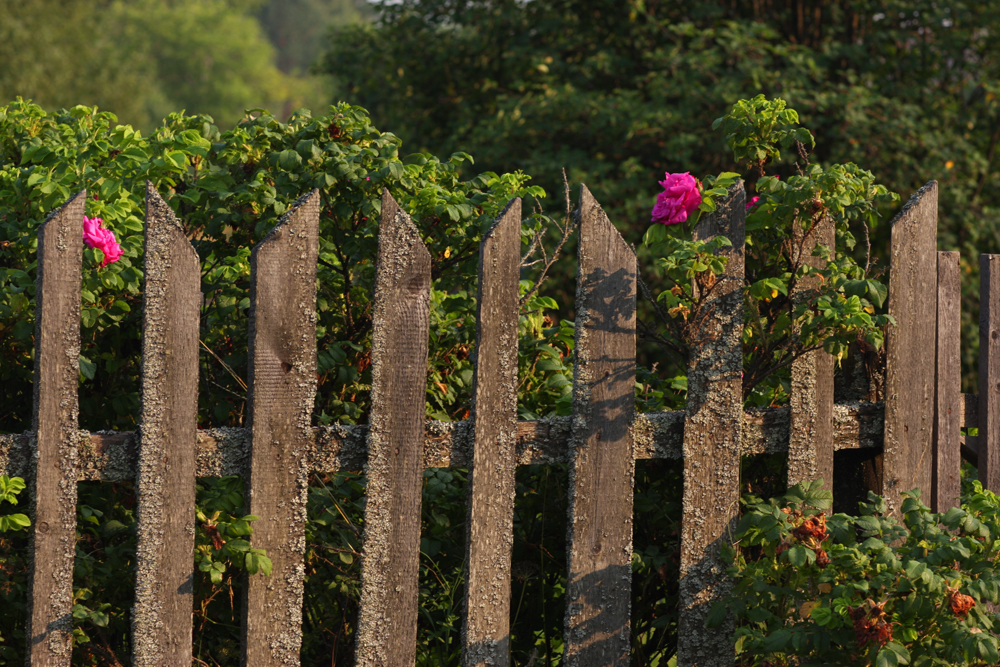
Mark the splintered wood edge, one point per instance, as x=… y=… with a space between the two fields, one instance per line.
x=111 y=456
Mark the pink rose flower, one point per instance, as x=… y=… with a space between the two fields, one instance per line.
x=752 y=202
x=95 y=236
x=679 y=198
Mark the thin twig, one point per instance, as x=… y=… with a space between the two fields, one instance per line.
x=224 y=365
x=566 y=229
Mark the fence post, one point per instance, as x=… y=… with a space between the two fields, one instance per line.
x=282 y=388
x=489 y=528
x=387 y=623
x=164 y=594
x=602 y=459
x=56 y=410
x=712 y=434
x=810 y=433
x=988 y=413
x=947 y=466
x=909 y=377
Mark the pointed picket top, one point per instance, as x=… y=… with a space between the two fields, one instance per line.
x=909 y=376
x=387 y=623
x=602 y=462
x=165 y=483
x=486 y=621
x=282 y=390
x=712 y=442
x=52 y=482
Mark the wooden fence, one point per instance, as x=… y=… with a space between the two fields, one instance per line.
x=917 y=429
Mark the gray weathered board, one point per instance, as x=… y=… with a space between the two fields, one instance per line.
x=52 y=480
x=282 y=388
x=909 y=378
x=947 y=483
x=111 y=457
x=602 y=463
x=490 y=529
x=988 y=439
x=712 y=432
x=810 y=444
x=164 y=586
x=387 y=623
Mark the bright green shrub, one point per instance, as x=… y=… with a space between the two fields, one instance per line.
x=229 y=190
x=848 y=590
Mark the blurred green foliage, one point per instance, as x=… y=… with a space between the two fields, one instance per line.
x=620 y=91
x=143 y=59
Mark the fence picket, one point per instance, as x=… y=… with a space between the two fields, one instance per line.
x=810 y=436
x=282 y=388
x=164 y=596
x=948 y=401
x=56 y=409
x=988 y=410
x=490 y=538
x=909 y=378
x=602 y=464
x=712 y=435
x=387 y=623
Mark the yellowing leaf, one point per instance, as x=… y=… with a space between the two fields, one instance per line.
x=824 y=588
x=807 y=608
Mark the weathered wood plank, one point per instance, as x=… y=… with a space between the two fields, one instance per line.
x=282 y=388
x=490 y=524
x=947 y=483
x=909 y=378
x=111 y=457
x=810 y=444
x=52 y=480
x=712 y=435
x=164 y=593
x=602 y=462
x=387 y=624
x=988 y=440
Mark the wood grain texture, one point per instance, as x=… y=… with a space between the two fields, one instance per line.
x=712 y=435
x=387 y=624
x=52 y=480
x=490 y=523
x=909 y=377
x=164 y=593
x=602 y=463
x=282 y=388
x=988 y=410
x=810 y=443
x=948 y=401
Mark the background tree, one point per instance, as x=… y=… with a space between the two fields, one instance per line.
x=620 y=92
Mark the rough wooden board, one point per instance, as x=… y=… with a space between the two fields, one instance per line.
x=490 y=523
x=164 y=586
x=712 y=435
x=988 y=440
x=602 y=461
x=810 y=445
x=909 y=394
x=52 y=480
x=387 y=623
x=111 y=456
x=947 y=411
x=282 y=388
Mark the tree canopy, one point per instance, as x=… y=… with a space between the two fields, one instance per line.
x=619 y=92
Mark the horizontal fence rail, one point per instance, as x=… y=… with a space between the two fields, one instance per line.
x=108 y=456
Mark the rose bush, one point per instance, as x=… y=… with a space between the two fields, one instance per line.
x=845 y=302
x=849 y=590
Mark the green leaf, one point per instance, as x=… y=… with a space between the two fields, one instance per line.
x=797 y=555
x=87 y=368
